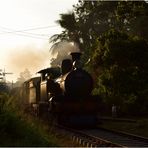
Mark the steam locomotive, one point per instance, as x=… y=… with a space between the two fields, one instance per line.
x=64 y=93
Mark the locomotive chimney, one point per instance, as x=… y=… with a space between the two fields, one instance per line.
x=75 y=56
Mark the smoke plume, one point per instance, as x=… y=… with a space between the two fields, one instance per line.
x=30 y=58
x=62 y=50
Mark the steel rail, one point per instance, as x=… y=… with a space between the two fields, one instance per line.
x=87 y=140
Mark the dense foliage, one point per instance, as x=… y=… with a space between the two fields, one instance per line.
x=15 y=130
x=123 y=71
x=113 y=36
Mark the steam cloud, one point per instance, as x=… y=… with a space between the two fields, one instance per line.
x=34 y=58
x=30 y=58
x=62 y=50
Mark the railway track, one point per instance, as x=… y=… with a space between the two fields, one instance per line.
x=84 y=139
x=100 y=137
x=123 y=139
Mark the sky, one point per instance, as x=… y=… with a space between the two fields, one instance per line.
x=25 y=29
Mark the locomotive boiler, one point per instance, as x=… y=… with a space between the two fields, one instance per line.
x=66 y=94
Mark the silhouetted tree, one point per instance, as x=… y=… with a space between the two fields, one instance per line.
x=25 y=75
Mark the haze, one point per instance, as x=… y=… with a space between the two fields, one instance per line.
x=25 y=29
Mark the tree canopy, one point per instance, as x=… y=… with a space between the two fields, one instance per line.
x=90 y=19
x=113 y=37
x=123 y=75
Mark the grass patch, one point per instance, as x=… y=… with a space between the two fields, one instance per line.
x=15 y=131
x=139 y=128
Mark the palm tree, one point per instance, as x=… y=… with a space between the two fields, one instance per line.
x=71 y=29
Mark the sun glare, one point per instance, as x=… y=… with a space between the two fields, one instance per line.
x=28 y=23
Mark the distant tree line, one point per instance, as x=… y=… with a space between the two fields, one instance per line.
x=113 y=37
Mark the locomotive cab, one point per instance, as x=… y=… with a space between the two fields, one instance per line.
x=47 y=87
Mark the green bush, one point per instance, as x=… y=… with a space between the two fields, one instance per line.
x=16 y=130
